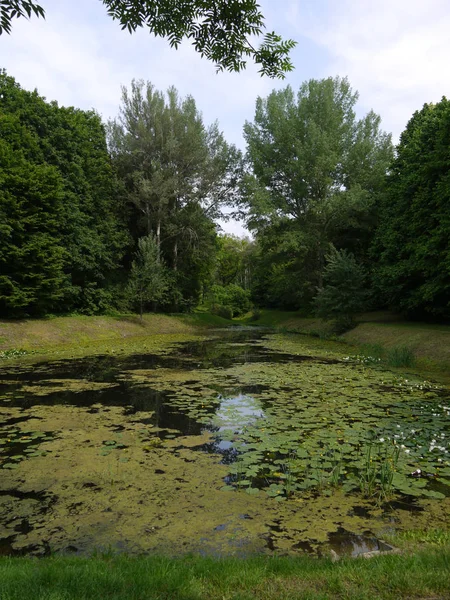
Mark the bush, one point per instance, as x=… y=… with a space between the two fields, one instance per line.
x=231 y=296
x=256 y=314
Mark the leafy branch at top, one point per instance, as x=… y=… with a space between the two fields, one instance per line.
x=220 y=30
x=12 y=9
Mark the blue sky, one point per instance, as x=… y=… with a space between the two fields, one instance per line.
x=394 y=52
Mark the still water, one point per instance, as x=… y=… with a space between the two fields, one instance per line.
x=244 y=443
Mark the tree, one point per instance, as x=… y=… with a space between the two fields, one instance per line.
x=32 y=257
x=234 y=261
x=343 y=293
x=86 y=204
x=177 y=174
x=149 y=279
x=219 y=29
x=10 y=9
x=233 y=298
x=411 y=246
x=316 y=175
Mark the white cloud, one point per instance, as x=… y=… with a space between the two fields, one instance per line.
x=395 y=52
x=80 y=57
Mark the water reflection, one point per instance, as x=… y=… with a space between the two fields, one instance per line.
x=235 y=412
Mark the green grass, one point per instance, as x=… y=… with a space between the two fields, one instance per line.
x=47 y=335
x=383 y=335
x=206 y=319
x=423 y=575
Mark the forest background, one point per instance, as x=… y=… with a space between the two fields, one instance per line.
x=98 y=217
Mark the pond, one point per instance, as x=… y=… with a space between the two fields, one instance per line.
x=246 y=442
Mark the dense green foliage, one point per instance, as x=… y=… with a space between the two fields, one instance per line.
x=230 y=294
x=31 y=205
x=342 y=294
x=176 y=175
x=76 y=201
x=412 y=245
x=73 y=213
x=61 y=233
x=233 y=298
x=317 y=174
x=219 y=29
x=149 y=278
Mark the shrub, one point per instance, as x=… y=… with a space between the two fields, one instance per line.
x=231 y=296
x=256 y=314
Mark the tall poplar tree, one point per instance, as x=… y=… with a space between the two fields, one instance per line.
x=316 y=175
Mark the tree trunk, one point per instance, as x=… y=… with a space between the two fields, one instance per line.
x=158 y=237
x=175 y=255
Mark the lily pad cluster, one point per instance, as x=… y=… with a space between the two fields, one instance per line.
x=17 y=445
x=110 y=445
x=313 y=425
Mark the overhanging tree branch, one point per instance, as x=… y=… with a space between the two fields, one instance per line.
x=220 y=30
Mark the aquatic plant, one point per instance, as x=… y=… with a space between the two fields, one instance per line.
x=378 y=469
x=400 y=356
x=14 y=353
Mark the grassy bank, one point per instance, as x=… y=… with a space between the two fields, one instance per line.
x=46 y=335
x=423 y=575
x=379 y=334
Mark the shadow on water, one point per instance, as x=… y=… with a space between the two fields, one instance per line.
x=134 y=397
x=223 y=352
x=346 y=544
x=41 y=503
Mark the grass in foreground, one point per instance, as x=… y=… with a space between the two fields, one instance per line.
x=424 y=575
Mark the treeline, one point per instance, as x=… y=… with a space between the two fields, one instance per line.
x=87 y=226
x=97 y=217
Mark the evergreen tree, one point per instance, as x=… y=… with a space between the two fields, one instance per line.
x=343 y=293
x=149 y=278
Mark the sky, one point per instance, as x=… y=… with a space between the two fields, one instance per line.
x=394 y=52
